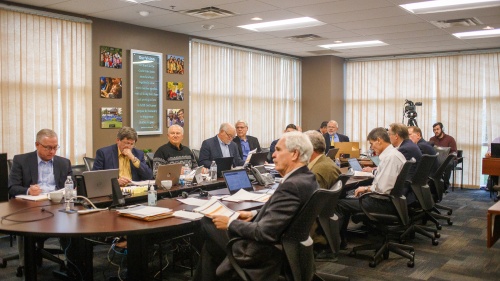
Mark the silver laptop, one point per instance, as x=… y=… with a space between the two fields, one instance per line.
x=168 y=172
x=98 y=183
x=354 y=163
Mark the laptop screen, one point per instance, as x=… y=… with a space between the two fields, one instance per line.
x=236 y=180
x=223 y=164
x=495 y=150
x=258 y=158
x=353 y=162
x=98 y=183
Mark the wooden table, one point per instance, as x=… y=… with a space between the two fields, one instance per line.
x=491 y=166
x=493 y=227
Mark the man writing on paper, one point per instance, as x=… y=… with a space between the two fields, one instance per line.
x=262 y=260
x=123 y=156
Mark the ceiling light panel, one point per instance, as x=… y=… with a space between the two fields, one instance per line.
x=478 y=34
x=283 y=24
x=439 y=6
x=354 y=45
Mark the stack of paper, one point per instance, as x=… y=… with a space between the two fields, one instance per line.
x=188 y=215
x=243 y=195
x=214 y=207
x=147 y=213
x=40 y=197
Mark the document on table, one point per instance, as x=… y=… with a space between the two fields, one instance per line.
x=145 y=211
x=140 y=183
x=243 y=195
x=192 y=201
x=40 y=197
x=215 y=207
x=188 y=215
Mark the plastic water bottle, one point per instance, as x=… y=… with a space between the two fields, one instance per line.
x=213 y=171
x=187 y=170
x=152 y=196
x=68 y=189
x=337 y=161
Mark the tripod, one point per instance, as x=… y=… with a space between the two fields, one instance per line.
x=412 y=122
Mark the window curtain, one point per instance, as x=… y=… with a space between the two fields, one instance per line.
x=45 y=72
x=461 y=91
x=230 y=84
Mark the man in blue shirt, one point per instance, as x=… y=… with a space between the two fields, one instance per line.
x=221 y=145
x=331 y=136
x=244 y=142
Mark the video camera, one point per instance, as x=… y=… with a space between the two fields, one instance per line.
x=411 y=109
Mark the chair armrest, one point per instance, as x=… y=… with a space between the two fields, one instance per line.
x=232 y=260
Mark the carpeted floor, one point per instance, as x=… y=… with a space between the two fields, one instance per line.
x=461 y=254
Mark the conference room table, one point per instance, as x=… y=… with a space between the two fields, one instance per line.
x=39 y=219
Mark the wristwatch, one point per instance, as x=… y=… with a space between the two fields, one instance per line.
x=135 y=160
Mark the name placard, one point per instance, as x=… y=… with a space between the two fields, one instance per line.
x=146 y=88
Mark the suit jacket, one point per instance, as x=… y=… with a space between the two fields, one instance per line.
x=107 y=158
x=253 y=142
x=210 y=150
x=410 y=150
x=342 y=138
x=325 y=171
x=257 y=254
x=24 y=172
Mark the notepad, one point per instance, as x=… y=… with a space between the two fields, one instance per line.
x=214 y=207
x=147 y=213
x=40 y=197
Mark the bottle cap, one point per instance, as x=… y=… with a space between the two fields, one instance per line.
x=152 y=188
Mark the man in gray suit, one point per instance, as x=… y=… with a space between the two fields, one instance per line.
x=256 y=254
x=221 y=145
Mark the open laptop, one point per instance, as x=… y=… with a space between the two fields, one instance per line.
x=236 y=180
x=354 y=163
x=168 y=172
x=98 y=183
x=495 y=150
x=332 y=153
x=223 y=164
x=258 y=158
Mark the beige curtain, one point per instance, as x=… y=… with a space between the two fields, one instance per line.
x=45 y=72
x=228 y=84
x=461 y=91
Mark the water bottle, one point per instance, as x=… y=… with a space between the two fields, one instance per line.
x=213 y=171
x=68 y=189
x=337 y=161
x=187 y=170
x=152 y=196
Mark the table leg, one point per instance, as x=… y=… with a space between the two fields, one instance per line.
x=30 y=270
x=137 y=262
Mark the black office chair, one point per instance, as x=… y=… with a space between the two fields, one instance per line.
x=196 y=153
x=89 y=163
x=264 y=149
x=149 y=159
x=436 y=185
x=388 y=223
x=78 y=169
x=299 y=258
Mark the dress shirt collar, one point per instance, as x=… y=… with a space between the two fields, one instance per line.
x=221 y=142
x=386 y=152
x=312 y=163
x=51 y=161
x=287 y=175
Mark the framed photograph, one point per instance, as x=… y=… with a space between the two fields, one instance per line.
x=175 y=64
x=175 y=91
x=146 y=86
x=111 y=88
x=111 y=117
x=111 y=57
x=175 y=116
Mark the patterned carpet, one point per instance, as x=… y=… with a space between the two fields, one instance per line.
x=461 y=254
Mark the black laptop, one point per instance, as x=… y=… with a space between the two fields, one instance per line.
x=236 y=180
x=258 y=158
x=223 y=164
x=495 y=150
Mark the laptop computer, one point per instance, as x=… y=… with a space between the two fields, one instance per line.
x=258 y=158
x=354 y=163
x=495 y=150
x=168 y=172
x=223 y=164
x=98 y=183
x=332 y=153
x=236 y=180
x=375 y=160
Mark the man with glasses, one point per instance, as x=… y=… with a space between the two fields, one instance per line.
x=221 y=145
x=123 y=156
x=331 y=136
x=244 y=142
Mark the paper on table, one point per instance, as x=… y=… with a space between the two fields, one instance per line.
x=40 y=197
x=243 y=195
x=145 y=211
x=215 y=207
x=188 y=215
x=363 y=174
x=192 y=201
x=139 y=183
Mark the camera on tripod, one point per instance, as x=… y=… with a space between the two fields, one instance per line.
x=410 y=112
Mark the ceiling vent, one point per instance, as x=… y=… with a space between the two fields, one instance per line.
x=209 y=13
x=305 y=37
x=457 y=22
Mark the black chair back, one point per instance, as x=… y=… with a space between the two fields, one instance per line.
x=419 y=182
x=4 y=177
x=443 y=152
x=196 y=153
x=328 y=220
x=78 y=169
x=436 y=180
x=89 y=163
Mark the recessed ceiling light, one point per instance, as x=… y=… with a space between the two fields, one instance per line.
x=337 y=41
x=478 y=34
x=439 y=6
x=283 y=24
x=139 y=1
x=256 y=18
x=488 y=27
x=144 y=13
x=353 y=45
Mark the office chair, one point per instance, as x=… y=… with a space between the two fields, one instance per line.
x=298 y=258
x=78 y=169
x=388 y=224
x=436 y=185
x=425 y=202
x=89 y=163
x=149 y=158
x=196 y=153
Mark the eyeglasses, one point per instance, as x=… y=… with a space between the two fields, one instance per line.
x=229 y=136
x=50 y=148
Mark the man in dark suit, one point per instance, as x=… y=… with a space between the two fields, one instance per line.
x=221 y=145
x=123 y=156
x=331 y=136
x=244 y=142
x=416 y=136
x=272 y=148
x=399 y=136
x=257 y=254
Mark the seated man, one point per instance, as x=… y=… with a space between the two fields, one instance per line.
x=264 y=228
x=322 y=128
x=123 y=156
x=391 y=163
x=331 y=136
x=40 y=171
x=289 y=128
x=444 y=140
x=416 y=136
x=244 y=142
x=221 y=145
x=173 y=151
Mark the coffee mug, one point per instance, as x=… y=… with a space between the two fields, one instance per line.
x=56 y=196
x=167 y=184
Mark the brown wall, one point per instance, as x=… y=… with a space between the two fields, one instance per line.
x=322 y=91
x=126 y=37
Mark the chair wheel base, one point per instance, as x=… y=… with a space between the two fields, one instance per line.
x=450 y=223
x=437 y=235
x=19 y=271
x=372 y=264
x=439 y=227
x=435 y=242
x=3 y=264
x=411 y=264
x=449 y=213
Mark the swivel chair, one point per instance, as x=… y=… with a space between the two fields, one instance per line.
x=196 y=153
x=89 y=163
x=436 y=185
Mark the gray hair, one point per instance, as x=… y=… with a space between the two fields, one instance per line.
x=317 y=141
x=226 y=126
x=297 y=141
x=175 y=126
x=241 y=121
x=378 y=133
x=45 y=133
x=127 y=132
x=334 y=122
